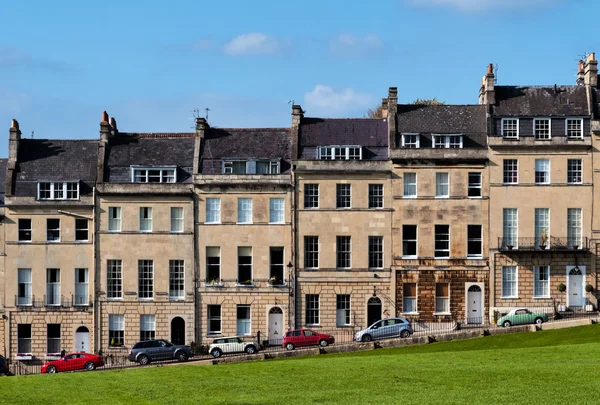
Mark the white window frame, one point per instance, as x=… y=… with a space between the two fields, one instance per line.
x=24 y=278
x=24 y=229
x=313 y=253
x=409 y=184
x=343 y=310
x=249 y=266
x=375 y=255
x=137 y=173
x=145 y=280
x=535 y=130
x=243 y=325
x=55 y=340
x=510 y=171
x=337 y=148
x=147 y=327
x=409 y=145
x=541 y=214
x=114 y=279
x=439 y=184
x=250 y=166
x=53 y=294
x=213 y=317
x=514 y=279
x=24 y=341
x=511 y=227
x=213 y=251
x=213 y=210
x=61 y=187
x=475 y=186
x=340 y=195
x=176 y=278
x=503 y=129
x=435 y=234
x=444 y=300
x=116 y=323
x=446 y=140
x=542 y=166
x=412 y=298
x=86 y=229
x=373 y=196
x=416 y=241
x=580 y=120
x=537 y=282
x=310 y=195
x=82 y=289
x=114 y=218
x=571 y=172
x=244 y=211
x=147 y=220
x=177 y=220
x=575 y=226
x=343 y=251
x=277 y=210
x=53 y=229
x=312 y=309
x=480 y=239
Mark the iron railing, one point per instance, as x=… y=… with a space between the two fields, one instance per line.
x=551 y=243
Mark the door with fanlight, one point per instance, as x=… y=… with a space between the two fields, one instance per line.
x=474 y=307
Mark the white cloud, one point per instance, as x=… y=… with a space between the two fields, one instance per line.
x=481 y=5
x=349 y=44
x=327 y=100
x=253 y=43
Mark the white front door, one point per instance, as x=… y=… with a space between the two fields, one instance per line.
x=275 y=328
x=575 y=293
x=474 y=305
x=82 y=342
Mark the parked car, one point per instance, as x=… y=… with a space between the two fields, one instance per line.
x=385 y=328
x=522 y=316
x=306 y=337
x=155 y=350
x=73 y=362
x=4 y=366
x=233 y=344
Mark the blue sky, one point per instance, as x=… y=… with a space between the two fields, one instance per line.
x=150 y=63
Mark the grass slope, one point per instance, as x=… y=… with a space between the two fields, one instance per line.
x=557 y=366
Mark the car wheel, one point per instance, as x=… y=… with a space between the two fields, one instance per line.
x=143 y=360
x=289 y=346
x=366 y=338
x=506 y=324
x=51 y=370
x=404 y=334
x=250 y=349
x=89 y=366
x=216 y=353
x=323 y=343
x=539 y=321
x=182 y=356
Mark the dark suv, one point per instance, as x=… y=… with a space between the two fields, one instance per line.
x=155 y=350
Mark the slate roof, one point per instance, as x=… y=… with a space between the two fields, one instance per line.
x=3 y=163
x=442 y=119
x=350 y=131
x=150 y=149
x=540 y=101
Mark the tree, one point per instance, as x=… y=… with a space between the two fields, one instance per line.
x=377 y=111
x=374 y=112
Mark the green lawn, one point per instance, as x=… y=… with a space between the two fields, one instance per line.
x=558 y=366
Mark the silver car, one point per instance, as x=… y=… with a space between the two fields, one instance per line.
x=386 y=328
x=152 y=350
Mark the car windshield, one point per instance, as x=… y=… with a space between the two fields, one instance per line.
x=165 y=343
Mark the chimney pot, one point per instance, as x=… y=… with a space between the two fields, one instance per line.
x=113 y=123
x=297 y=109
x=393 y=92
x=591 y=57
x=104 y=116
x=14 y=124
x=490 y=70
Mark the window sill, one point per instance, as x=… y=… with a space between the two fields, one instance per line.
x=146 y=299
x=53 y=356
x=313 y=325
x=477 y=197
x=441 y=197
x=24 y=356
x=243 y=223
x=277 y=223
x=214 y=334
x=246 y=285
x=442 y=314
x=410 y=257
x=176 y=298
x=509 y=298
x=213 y=284
x=114 y=230
x=212 y=223
x=442 y=258
x=409 y=197
x=176 y=231
x=410 y=313
x=278 y=285
x=475 y=257
x=23 y=241
x=114 y=299
x=122 y=347
x=542 y=297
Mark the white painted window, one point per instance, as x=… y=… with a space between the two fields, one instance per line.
x=276 y=210
x=153 y=175
x=474 y=241
x=311 y=252
x=81 y=229
x=411 y=141
x=176 y=280
x=213 y=265
x=244 y=210
x=145 y=219
x=244 y=323
x=442 y=185
x=410 y=185
x=510 y=128
x=574 y=227
x=542 y=128
x=343 y=196
x=509 y=282
x=145 y=279
x=276 y=266
x=574 y=128
x=245 y=265
x=58 y=191
x=311 y=196
x=541 y=285
x=511 y=171
x=312 y=309
x=114 y=219
x=267 y=167
x=542 y=227
x=447 y=141
x=147 y=327
x=214 y=319
x=542 y=171
x=375 y=252
x=23 y=339
x=510 y=226
x=81 y=287
x=114 y=279
x=343 y=316
x=24 y=230
x=339 y=152
x=442 y=298
x=24 y=296
x=231 y=166
x=442 y=241
x=409 y=298
x=574 y=171
x=53 y=344
x=53 y=230
x=409 y=242
x=474 y=189
x=375 y=195
x=213 y=210
x=53 y=297
x=176 y=219
x=116 y=330
x=343 y=252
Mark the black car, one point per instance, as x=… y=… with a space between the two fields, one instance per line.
x=3 y=366
x=153 y=350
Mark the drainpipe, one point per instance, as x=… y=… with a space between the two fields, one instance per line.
x=197 y=309
x=96 y=309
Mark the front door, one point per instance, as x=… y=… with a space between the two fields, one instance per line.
x=178 y=331
x=82 y=340
x=575 y=294
x=275 y=326
x=373 y=310
x=474 y=305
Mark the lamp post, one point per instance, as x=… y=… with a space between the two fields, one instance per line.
x=290 y=266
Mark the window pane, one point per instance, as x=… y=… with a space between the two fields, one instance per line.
x=409 y=241
x=311 y=252
x=343 y=197
x=509 y=281
x=510 y=171
x=176 y=279
x=442 y=185
x=375 y=195
x=311 y=196
x=145 y=279
x=574 y=171
x=509 y=230
x=244 y=210
x=474 y=241
x=213 y=265
x=343 y=246
x=214 y=319
x=442 y=241
x=376 y=252
x=410 y=184
x=176 y=219
x=474 y=185
x=213 y=210
x=276 y=210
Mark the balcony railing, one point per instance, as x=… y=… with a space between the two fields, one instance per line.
x=535 y=244
x=81 y=301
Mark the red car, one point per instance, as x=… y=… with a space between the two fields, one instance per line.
x=73 y=362
x=306 y=337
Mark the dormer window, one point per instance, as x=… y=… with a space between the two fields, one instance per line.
x=58 y=190
x=411 y=141
x=153 y=174
x=251 y=167
x=510 y=128
x=542 y=128
x=574 y=128
x=447 y=141
x=343 y=152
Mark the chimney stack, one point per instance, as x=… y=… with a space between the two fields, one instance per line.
x=384 y=108
x=580 y=75
x=13 y=140
x=201 y=128
x=392 y=109
x=590 y=71
x=297 y=115
x=105 y=131
x=104 y=128
x=487 y=94
x=113 y=125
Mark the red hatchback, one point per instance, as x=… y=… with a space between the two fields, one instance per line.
x=73 y=362
x=306 y=337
